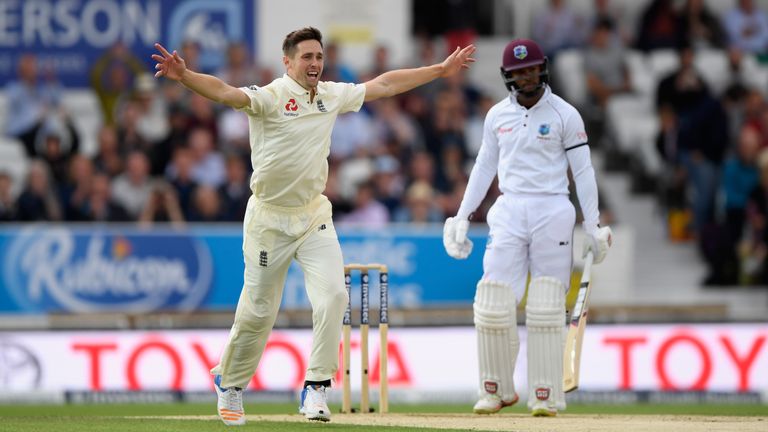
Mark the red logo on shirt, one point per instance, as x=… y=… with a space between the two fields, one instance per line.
x=291 y=105
x=503 y=130
x=582 y=136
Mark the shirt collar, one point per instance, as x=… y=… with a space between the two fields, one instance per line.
x=547 y=94
x=297 y=89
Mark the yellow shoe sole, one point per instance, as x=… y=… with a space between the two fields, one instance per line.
x=543 y=412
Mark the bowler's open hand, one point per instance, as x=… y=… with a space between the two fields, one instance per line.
x=459 y=59
x=171 y=66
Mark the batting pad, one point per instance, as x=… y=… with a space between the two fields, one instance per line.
x=545 y=318
x=497 y=340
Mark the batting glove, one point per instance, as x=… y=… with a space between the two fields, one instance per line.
x=455 y=240
x=598 y=241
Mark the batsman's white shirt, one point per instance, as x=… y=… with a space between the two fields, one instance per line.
x=288 y=219
x=290 y=137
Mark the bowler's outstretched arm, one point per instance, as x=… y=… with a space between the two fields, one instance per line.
x=172 y=66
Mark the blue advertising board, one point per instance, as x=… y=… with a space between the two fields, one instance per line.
x=83 y=268
x=69 y=35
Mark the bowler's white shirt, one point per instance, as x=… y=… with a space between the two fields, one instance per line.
x=290 y=137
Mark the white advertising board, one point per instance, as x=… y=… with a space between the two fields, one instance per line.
x=718 y=357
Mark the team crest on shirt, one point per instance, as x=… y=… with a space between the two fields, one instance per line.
x=520 y=51
x=320 y=106
x=544 y=129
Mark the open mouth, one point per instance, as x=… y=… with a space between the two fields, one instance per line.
x=313 y=75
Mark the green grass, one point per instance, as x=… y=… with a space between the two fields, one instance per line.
x=112 y=418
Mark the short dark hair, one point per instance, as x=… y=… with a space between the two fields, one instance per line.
x=295 y=37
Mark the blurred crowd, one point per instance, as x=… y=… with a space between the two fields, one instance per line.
x=713 y=141
x=167 y=155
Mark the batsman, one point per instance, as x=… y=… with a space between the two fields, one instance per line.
x=530 y=139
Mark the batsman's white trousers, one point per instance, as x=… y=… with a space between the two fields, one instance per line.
x=272 y=237
x=529 y=233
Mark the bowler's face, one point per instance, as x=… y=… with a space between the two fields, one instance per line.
x=306 y=64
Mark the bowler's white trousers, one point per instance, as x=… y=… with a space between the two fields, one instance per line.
x=529 y=233
x=272 y=237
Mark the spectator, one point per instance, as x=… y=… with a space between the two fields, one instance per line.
x=57 y=152
x=208 y=165
x=132 y=188
x=351 y=136
x=381 y=62
x=606 y=73
x=149 y=111
x=233 y=133
x=162 y=206
x=606 y=10
x=367 y=211
x=684 y=88
x=747 y=27
x=445 y=138
x=75 y=190
x=334 y=69
x=239 y=70
x=473 y=131
x=421 y=168
x=673 y=187
x=236 y=191
x=112 y=76
x=752 y=113
x=702 y=133
x=740 y=177
x=420 y=205
x=7 y=200
x=388 y=182
x=179 y=174
x=658 y=27
x=34 y=108
x=339 y=202
x=467 y=93
x=558 y=27
x=38 y=200
x=755 y=247
x=202 y=115
x=450 y=202
x=719 y=241
x=100 y=207
x=109 y=158
x=206 y=205
x=391 y=123
x=699 y=27
x=129 y=135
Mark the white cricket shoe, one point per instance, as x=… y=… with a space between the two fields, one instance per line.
x=230 y=404
x=491 y=403
x=314 y=404
x=542 y=409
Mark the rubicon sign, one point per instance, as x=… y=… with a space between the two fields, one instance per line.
x=67 y=270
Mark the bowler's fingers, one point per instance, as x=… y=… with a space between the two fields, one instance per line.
x=162 y=50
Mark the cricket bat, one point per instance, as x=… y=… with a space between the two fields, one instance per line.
x=576 y=326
